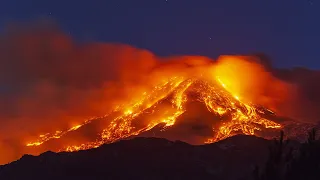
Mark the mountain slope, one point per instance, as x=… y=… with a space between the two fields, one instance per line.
x=146 y=158
x=176 y=100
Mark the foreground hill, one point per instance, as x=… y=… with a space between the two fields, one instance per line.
x=146 y=158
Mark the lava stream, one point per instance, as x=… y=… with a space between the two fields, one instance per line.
x=245 y=117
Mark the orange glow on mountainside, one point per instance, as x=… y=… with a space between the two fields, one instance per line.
x=219 y=91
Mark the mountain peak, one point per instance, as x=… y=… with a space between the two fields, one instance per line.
x=166 y=104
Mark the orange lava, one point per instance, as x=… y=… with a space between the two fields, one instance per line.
x=212 y=91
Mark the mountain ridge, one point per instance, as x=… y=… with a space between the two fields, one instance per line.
x=146 y=158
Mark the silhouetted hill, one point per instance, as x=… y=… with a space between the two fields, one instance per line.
x=146 y=158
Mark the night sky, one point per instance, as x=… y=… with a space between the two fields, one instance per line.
x=286 y=30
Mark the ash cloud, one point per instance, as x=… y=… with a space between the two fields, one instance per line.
x=304 y=104
x=48 y=80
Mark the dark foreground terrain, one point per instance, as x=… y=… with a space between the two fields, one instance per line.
x=145 y=158
x=148 y=158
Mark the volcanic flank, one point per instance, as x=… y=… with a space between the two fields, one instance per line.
x=63 y=96
x=202 y=98
x=165 y=103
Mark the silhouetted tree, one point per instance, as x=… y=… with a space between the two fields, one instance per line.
x=283 y=165
x=256 y=173
x=307 y=165
x=312 y=136
x=277 y=161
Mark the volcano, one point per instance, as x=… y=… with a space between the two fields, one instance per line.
x=195 y=110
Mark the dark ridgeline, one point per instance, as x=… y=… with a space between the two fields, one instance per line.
x=235 y=158
x=287 y=163
x=145 y=158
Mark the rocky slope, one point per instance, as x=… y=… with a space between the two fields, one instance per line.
x=146 y=158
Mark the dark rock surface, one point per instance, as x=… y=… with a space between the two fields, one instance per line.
x=146 y=158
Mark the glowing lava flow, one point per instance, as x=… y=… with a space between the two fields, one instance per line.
x=58 y=134
x=245 y=117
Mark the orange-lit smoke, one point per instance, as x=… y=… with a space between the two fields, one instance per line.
x=48 y=82
x=250 y=81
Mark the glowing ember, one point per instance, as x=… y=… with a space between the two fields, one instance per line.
x=245 y=117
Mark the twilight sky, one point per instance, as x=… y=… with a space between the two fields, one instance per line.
x=286 y=30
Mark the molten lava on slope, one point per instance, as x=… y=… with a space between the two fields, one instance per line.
x=79 y=96
x=165 y=103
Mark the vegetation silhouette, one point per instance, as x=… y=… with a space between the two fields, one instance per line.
x=288 y=163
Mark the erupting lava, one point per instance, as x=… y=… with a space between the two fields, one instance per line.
x=88 y=94
x=243 y=116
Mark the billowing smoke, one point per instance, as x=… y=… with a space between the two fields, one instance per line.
x=305 y=105
x=251 y=82
x=47 y=80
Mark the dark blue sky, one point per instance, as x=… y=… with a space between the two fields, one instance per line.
x=286 y=30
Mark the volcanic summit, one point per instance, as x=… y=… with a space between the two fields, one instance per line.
x=132 y=92
x=170 y=103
